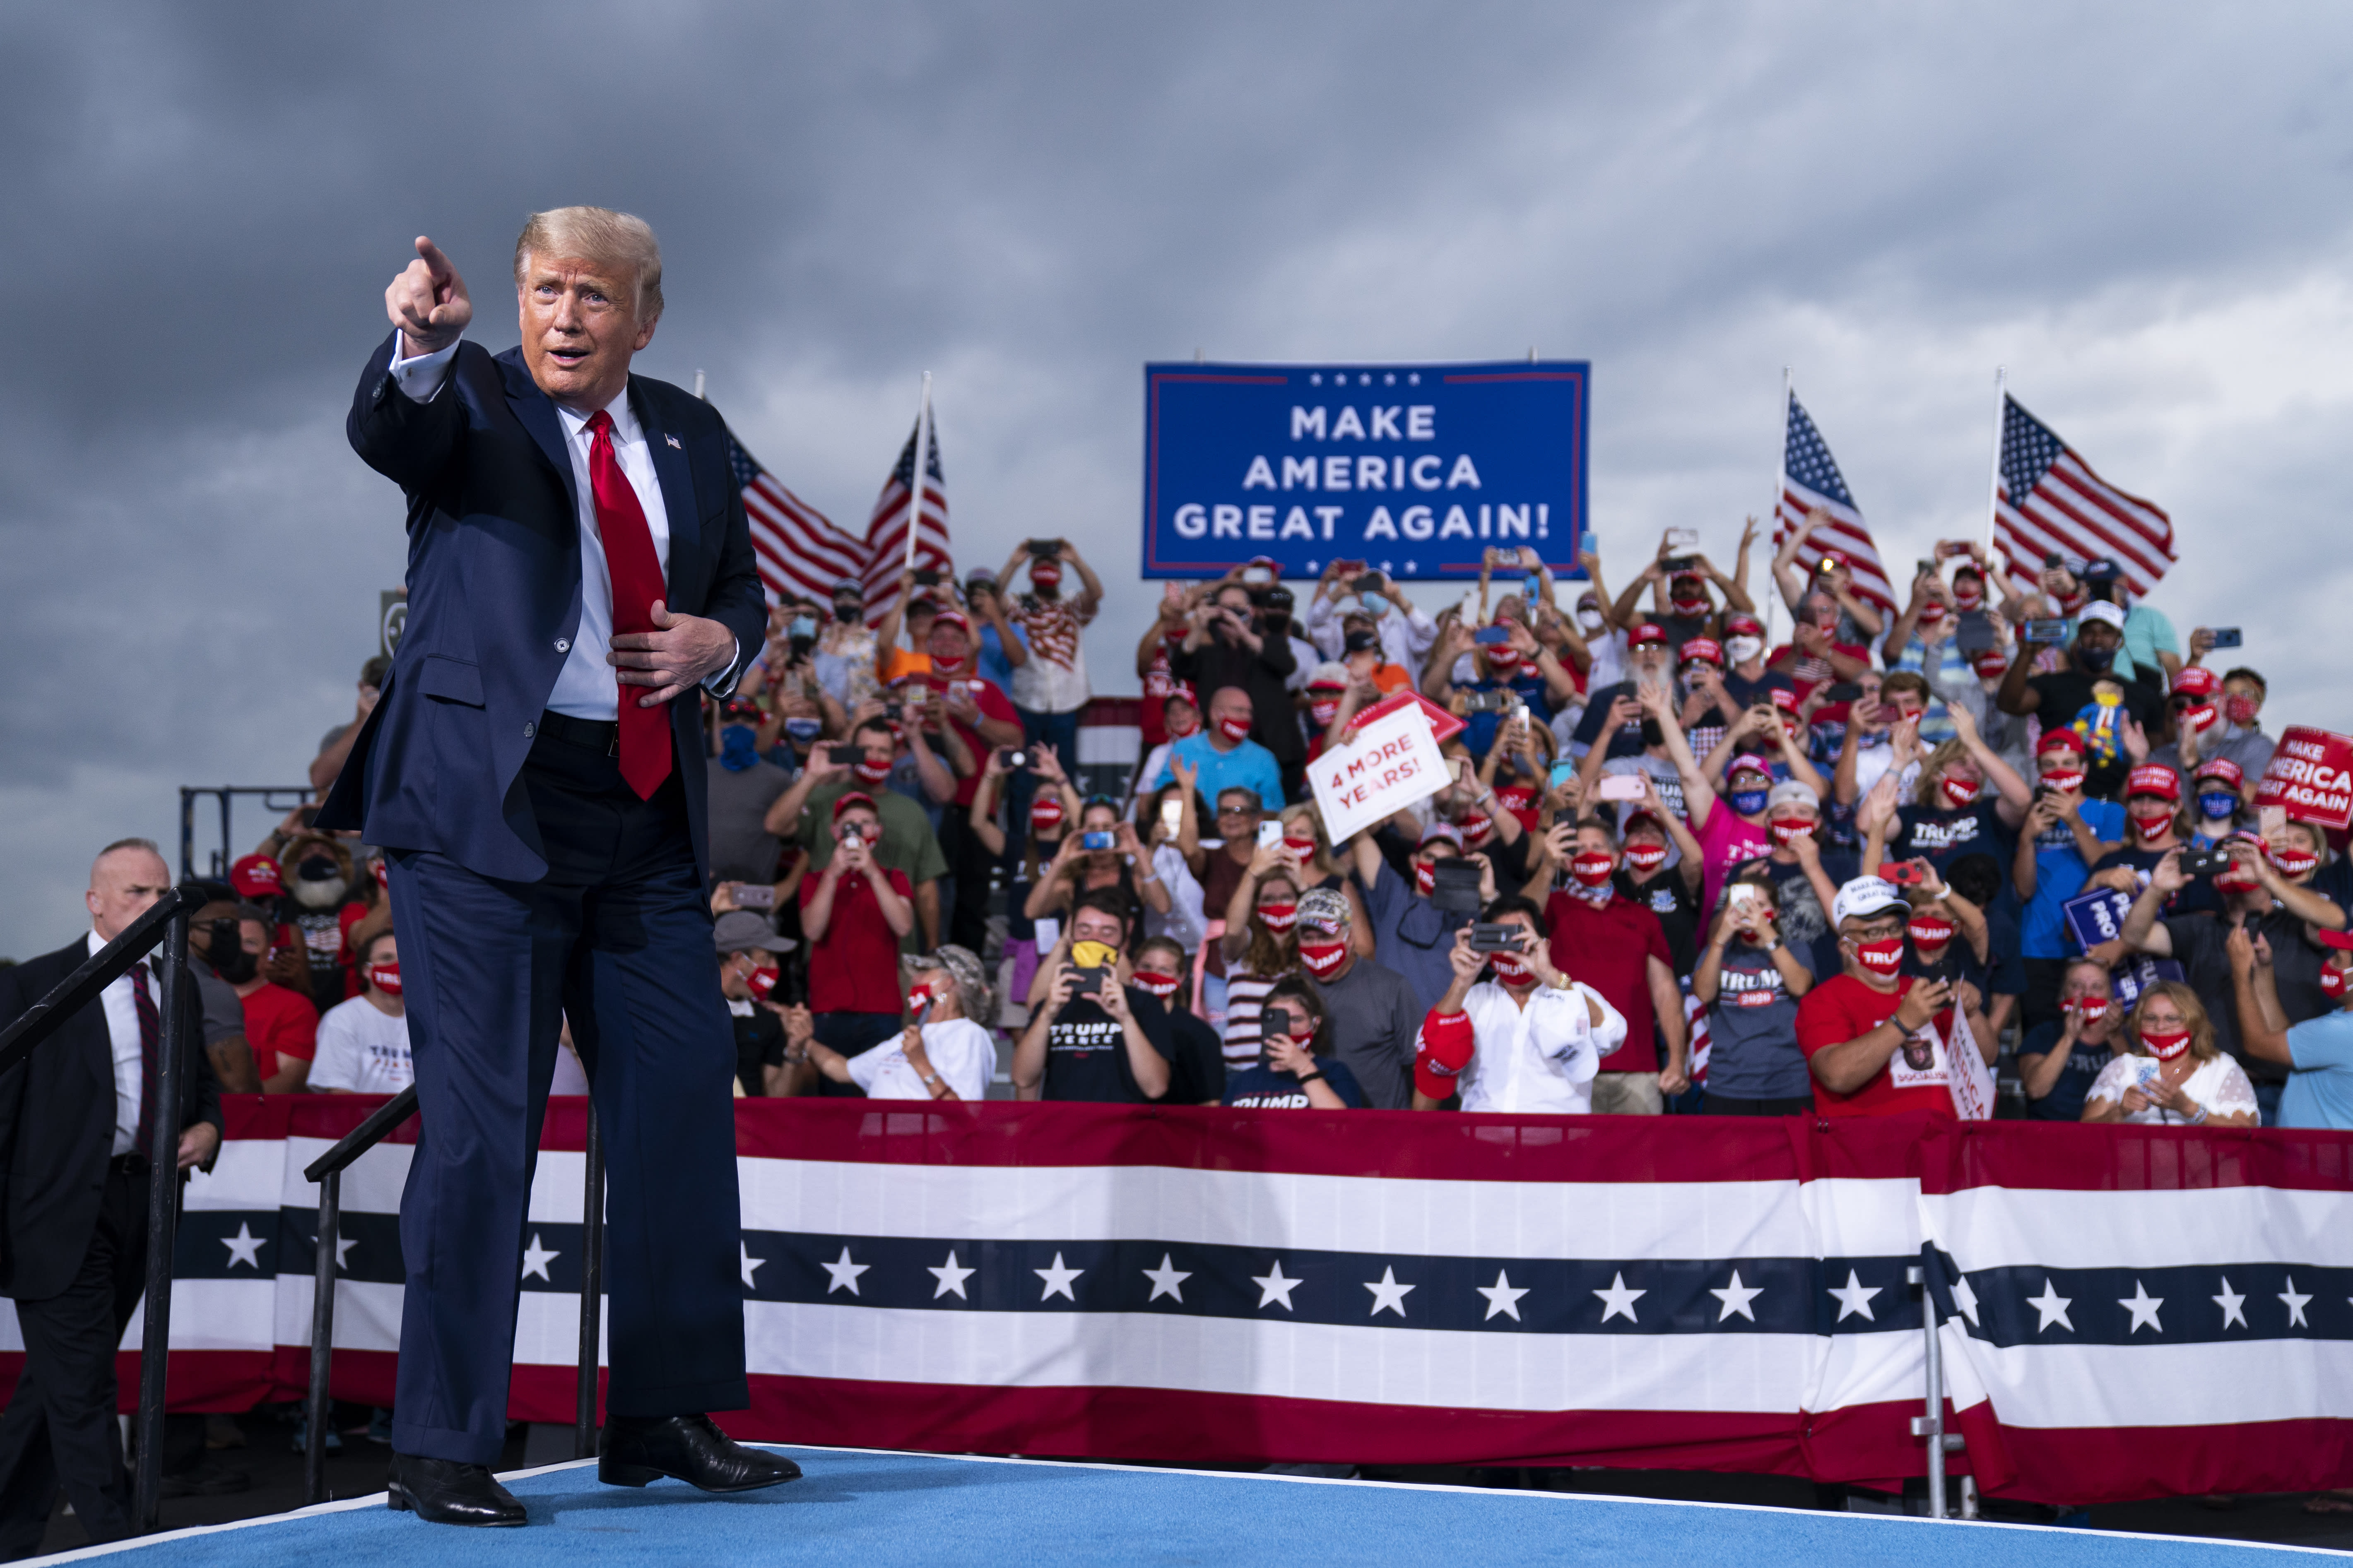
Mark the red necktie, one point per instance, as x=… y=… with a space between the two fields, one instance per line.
x=637 y=576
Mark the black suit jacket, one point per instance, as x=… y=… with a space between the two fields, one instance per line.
x=495 y=587
x=57 y=1124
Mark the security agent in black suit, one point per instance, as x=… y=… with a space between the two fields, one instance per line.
x=73 y=1206
x=579 y=559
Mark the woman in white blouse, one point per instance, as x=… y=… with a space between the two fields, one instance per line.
x=950 y=1057
x=2167 y=1072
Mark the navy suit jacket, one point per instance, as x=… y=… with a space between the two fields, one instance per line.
x=495 y=600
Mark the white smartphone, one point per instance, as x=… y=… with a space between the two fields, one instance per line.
x=1618 y=786
x=1683 y=538
x=1269 y=833
x=1172 y=812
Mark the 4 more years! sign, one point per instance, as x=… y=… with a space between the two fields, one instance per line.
x=2310 y=777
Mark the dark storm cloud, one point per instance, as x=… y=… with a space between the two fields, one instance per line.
x=2139 y=208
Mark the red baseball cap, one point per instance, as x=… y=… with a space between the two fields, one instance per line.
x=1742 y=626
x=1644 y=633
x=1179 y=688
x=2223 y=768
x=256 y=876
x=2196 y=680
x=855 y=797
x=2059 y=739
x=951 y=617
x=2153 y=778
x=1748 y=763
x=1704 y=649
x=2341 y=941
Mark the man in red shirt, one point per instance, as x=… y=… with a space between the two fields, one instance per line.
x=1607 y=940
x=854 y=913
x=1861 y=1030
x=280 y=1023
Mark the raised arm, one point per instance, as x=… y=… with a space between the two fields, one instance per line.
x=1698 y=796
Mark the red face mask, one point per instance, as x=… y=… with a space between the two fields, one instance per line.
x=2067 y=779
x=2088 y=1010
x=385 y=978
x=1323 y=711
x=2332 y=981
x=1278 y=917
x=2149 y=829
x=1233 y=729
x=2238 y=710
x=762 y=981
x=1045 y=815
x=2235 y=880
x=873 y=773
x=1959 y=792
x=919 y=1001
x=1425 y=880
x=1789 y=830
x=1163 y=986
x=1646 y=857
x=1323 y=959
x=1691 y=607
x=1883 y=958
x=1182 y=725
x=1968 y=596
x=1303 y=847
x=948 y=663
x=1591 y=868
x=1476 y=831
x=1929 y=934
x=2289 y=860
x=2165 y=1043
x=1512 y=970
x=2203 y=715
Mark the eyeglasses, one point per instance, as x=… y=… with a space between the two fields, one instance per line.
x=1236 y=811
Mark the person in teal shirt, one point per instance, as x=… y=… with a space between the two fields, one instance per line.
x=2318 y=1051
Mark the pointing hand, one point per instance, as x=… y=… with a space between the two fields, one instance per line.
x=427 y=301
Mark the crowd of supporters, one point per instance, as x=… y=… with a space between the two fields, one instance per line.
x=1679 y=866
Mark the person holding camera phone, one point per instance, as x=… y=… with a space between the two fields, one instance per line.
x=1528 y=1040
x=1864 y=1031
x=906 y=843
x=2064 y=837
x=1953 y=812
x=2060 y=1058
x=1104 y=855
x=1050 y=684
x=1091 y=1035
x=1261 y=945
x=855 y=912
x=1227 y=647
x=1616 y=948
x=1750 y=981
x=1297 y=1069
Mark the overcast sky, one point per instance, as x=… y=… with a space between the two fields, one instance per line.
x=2141 y=210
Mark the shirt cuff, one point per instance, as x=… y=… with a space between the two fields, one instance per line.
x=721 y=682
x=420 y=378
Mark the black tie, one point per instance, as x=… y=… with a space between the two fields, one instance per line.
x=150 y=1040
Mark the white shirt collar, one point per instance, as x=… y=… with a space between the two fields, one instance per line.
x=625 y=422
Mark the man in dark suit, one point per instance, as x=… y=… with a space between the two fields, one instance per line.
x=578 y=562
x=76 y=1123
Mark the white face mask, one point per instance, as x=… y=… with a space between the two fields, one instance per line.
x=1740 y=650
x=1589 y=619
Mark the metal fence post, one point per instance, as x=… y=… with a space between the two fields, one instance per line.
x=322 y=1338
x=592 y=1288
x=1932 y=1425
x=163 y=1216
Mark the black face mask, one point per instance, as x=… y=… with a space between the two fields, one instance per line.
x=2095 y=660
x=317 y=868
x=226 y=952
x=1651 y=734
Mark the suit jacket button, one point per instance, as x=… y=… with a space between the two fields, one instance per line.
x=529 y=731
x=563 y=645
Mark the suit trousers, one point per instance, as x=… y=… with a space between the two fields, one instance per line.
x=61 y=1423
x=616 y=939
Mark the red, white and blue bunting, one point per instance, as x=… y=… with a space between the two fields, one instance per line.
x=2135 y=1311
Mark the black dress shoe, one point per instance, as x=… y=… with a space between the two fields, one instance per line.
x=443 y=1491
x=634 y=1450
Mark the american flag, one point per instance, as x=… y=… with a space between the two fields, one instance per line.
x=799 y=551
x=886 y=533
x=2050 y=502
x=1810 y=479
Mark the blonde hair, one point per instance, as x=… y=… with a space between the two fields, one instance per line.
x=1321 y=862
x=2193 y=1017
x=597 y=234
x=1932 y=771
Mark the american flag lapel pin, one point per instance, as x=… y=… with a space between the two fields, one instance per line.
x=675 y=442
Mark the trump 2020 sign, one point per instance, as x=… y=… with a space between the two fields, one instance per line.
x=1414 y=469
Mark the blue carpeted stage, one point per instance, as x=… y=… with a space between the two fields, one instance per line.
x=863 y=1508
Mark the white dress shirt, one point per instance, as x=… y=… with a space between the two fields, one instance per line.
x=587 y=687
x=1541 y=1058
x=122 y=1032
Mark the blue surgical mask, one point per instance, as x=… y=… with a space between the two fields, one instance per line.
x=1748 y=802
x=738 y=747
x=2094 y=660
x=2218 y=805
x=803 y=731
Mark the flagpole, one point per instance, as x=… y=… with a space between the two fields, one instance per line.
x=917 y=480
x=1993 y=486
x=1773 y=533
